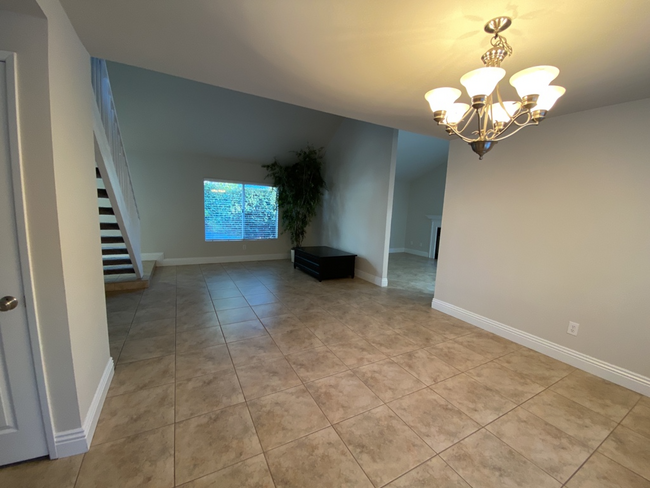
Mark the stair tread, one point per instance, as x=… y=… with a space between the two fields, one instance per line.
x=110 y=271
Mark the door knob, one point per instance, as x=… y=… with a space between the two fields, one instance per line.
x=8 y=303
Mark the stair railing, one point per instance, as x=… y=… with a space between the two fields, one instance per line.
x=112 y=162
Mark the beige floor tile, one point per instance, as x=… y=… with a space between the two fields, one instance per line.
x=195 y=309
x=315 y=364
x=388 y=380
x=131 y=413
x=203 y=394
x=254 y=350
x=152 y=347
x=49 y=473
x=481 y=403
x=342 y=396
x=281 y=324
x=356 y=353
x=507 y=383
x=601 y=472
x=599 y=395
x=189 y=322
x=488 y=345
x=213 y=441
x=225 y=291
x=638 y=420
x=285 y=416
x=142 y=460
x=333 y=333
x=422 y=336
x=384 y=445
x=252 y=473
x=261 y=299
x=204 y=361
x=425 y=366
x=485 y=461
x=645 y=401
x=457 y=356
x=630 y=449
x=445 y=329
x=328 y=460
x=193 y=340
x=434 y=419
x=271 y=310
x=433 y=473
x=541 y=369
x=392 y=343
x=154 y=328
x=157 y=312
x=243 y=330
x=557 y=453
x=234 y=315
x=221 y=304
x=585 y=425
x=262 y=378
x=296 y=340
x=142 y=374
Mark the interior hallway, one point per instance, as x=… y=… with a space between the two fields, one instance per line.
x=256 y=375
x=413 y=273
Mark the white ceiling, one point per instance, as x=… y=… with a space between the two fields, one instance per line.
x=373 y=60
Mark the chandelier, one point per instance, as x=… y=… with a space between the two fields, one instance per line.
x=495 y=119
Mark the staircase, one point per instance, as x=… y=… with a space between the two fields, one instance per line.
x=119 y=219
x=115 y=255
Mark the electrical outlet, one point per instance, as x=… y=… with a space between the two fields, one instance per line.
x=420 y=244
x=573 y=328
x=411 y=243
x=244 y=247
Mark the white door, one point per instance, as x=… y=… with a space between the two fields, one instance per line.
x=21 y=426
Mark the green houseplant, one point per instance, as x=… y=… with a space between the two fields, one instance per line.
x=300 y=189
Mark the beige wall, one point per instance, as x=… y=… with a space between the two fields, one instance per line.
x=169 y=189
x=57 y=158
x=357 y=208
x=553 y=226
x=178 y=132
x=76 y=200
x=400 y=215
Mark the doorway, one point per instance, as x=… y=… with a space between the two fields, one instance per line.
x=420 y=174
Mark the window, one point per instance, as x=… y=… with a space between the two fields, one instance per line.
x=238 y=211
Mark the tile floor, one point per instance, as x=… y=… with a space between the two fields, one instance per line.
x=256 y=375
x=412 y=273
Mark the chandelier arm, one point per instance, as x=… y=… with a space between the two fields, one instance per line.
x=464 y=138
x=473 y=112
x=515 y=131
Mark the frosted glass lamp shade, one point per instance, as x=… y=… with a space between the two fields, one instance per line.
x=548 y=97
x=442 y=98
x=533 y=81
x=500 y=115
x=456 y=112
x=482 y=81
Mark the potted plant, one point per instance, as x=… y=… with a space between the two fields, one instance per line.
x=300 y=189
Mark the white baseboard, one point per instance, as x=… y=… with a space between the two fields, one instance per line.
x=224 y=259
x=77 y=441
x=397 y=249
x=417 y=253
x=153 y=256
x=375 y=280
x=610 y=372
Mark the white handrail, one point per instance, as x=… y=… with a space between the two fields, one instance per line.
x=112 y=162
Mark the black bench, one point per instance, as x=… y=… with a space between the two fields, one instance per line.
x=324 y=262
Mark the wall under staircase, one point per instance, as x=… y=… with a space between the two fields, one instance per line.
x=118 y=210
